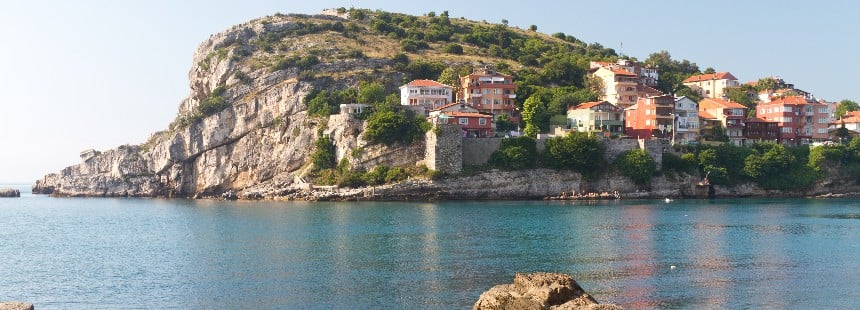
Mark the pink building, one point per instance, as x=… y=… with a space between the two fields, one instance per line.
x=800 y=121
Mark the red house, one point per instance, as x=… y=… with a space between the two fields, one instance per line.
x=474 y=124
x=650 y=117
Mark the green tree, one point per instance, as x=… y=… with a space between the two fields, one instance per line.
x=371 y=93
x=515 y=153
x=533 y=28
x=672 y=72
x=453 y=48
x=685 y=91
x=709 y=70
x=637 y=165
x=576 y=151
x=531 y=109
x=323 y=156
x=769 y=164
x=767 y=83
x=741 y=95
x=846 y=106
x=389 y=127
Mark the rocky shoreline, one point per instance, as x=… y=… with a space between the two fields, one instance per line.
x=535 y=184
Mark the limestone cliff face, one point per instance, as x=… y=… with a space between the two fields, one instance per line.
x=261 y=140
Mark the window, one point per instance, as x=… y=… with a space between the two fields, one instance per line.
x=647 y=122
x=486 y=101
x=761 y=111
x=486 y=91
x=496 y=101
x=786 y=129
x=632 y=98
x=482 y=121
x=808 y=109
x=822 y=130
x=785 y=119
x=497 y=91
x=786 y=109
x=822 y=121
x=769 y=110
x=809 y=119
x=463 y=121
x=808 y=130
x=647 y=111
x=823 y=110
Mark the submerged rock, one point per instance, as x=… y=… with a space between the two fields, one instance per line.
x=9 y=192
x=15 y=306
x=539 y=291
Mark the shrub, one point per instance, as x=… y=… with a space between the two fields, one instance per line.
x=323 y=156
x=578 y=152
x=515 y=153
x=453 y=48
x=386 y=126
x=637 y=165
x=683 y=163
x=376 y=176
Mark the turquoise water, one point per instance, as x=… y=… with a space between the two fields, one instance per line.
x=68 y=253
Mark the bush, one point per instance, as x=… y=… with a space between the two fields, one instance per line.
x=684 y=163
x=515 y=153
x=453 y=48
x=637 y=165
x=386 y=126
x=578 y=152
x=323 y=156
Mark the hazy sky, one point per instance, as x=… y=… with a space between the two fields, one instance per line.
x=98 y=74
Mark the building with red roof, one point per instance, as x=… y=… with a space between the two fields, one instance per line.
x=625 y=81
x=759 y=130
x=474 y=124
x=597 y=116
x=799 y=120
x=426 y=93
x=651 y=117
x=712 y=85
x=490 y=92
x=729 y=114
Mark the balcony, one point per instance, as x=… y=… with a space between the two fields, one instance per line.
x=476 y=95
x=512 y=96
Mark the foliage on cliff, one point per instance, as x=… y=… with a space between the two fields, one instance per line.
x=515 y=153
x=576 y=151
x=637 y=165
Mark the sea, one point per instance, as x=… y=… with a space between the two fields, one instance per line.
x=130 y=253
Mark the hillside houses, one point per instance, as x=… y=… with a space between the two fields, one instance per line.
x=631 y=107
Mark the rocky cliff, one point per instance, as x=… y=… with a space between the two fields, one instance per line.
x=260 y=142
x=244 y=130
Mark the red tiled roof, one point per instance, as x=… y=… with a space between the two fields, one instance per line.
x=710 y=77
x=790 y=100
x=427 y=83
x=706 y=115
x=446 y=106
x=587 y=105
x=623 y=72
x=719 y=103
x=648 y=90
x=851 y=114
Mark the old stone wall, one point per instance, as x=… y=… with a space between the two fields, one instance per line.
x=477 y=151
x=444 y=148
x=655 y=148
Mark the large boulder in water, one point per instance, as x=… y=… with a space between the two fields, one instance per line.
x=16 y=306
x=9 y=192
x=539 y=291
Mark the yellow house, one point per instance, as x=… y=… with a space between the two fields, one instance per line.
x=712 y=85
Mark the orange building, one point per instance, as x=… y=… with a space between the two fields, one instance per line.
x=650 y=117
x=489 y=91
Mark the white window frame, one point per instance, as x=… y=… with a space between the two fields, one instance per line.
x=463 y=121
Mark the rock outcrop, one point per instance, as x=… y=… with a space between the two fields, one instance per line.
x=9 y=192
x=539 y=291
x=16 y=306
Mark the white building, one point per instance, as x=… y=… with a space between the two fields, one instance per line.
x=686 y=125
x=427 y=93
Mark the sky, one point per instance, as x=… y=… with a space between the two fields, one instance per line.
x=84 y=74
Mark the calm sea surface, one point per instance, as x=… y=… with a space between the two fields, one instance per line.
x=61 y=253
